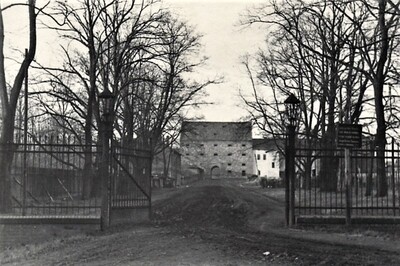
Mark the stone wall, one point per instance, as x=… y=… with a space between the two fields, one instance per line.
x=222 y=150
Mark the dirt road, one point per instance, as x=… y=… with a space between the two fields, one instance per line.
x=213 y=223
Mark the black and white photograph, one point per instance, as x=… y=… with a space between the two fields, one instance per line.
x=199 y=132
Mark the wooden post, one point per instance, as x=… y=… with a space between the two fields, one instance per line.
x=347 y=172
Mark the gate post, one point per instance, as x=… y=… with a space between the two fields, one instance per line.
x=105 y=183
x=292 y=175
x=292 y=113
x=347 y=170
x=106 y=99
x=287 y=183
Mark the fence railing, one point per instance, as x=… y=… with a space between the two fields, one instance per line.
x=61 y=178
x=320 y=181
x=130 y=186
x=55 y=179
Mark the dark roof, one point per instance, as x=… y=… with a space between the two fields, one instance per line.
x=221 y=131
x=267 y=144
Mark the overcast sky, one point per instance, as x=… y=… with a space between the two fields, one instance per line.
x=224 y=42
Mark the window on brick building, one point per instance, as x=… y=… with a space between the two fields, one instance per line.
x=229 y=171
x=243 y=172
x=229 y=164
x=215 y=154
x=243 y=154
x=243 y=164
x=229 y=154
x=229 y=145
x=215 y=145
x=243 y=145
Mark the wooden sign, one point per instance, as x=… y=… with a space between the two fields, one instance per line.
x=349 y=136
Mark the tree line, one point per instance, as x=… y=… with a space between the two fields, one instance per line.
x=340 y=58
x=137 y=49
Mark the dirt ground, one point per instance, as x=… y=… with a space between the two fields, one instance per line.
x=207 y=223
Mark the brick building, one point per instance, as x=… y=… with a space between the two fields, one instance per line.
x=221 y=149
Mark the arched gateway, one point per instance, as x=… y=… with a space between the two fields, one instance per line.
x=215 y=172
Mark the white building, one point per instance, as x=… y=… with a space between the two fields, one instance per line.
x=269 y=162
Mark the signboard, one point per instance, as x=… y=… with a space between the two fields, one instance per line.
x=349 y=136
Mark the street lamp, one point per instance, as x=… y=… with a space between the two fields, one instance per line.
x=292 y=116
x=106 y=98
x=292 y=109
x=106 y=101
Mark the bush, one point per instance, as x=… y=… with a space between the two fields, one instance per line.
x=270 y=183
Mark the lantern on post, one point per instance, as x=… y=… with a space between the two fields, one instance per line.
x=106 y=101
x=292 y=109
x=292 y=116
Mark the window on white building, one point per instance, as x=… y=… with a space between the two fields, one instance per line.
x=258 y=156
x=273 y=164
x=264 y=157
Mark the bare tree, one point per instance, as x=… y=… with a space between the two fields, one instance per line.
x=315 y=50
x=98 y=35
x=9 y=98
x=160 y=90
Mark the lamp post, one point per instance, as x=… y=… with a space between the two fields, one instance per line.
x=106 y=101
x=292 y=115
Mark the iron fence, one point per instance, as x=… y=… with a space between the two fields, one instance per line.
x=54 y=178
x=131 y=182
x=60 y=177
x=320 y=181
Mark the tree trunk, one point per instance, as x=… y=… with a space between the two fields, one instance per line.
x=6 y=156
x=306 y=184
x=329 y=163
x=369 y=166
x=9 y=100
x=379 y=81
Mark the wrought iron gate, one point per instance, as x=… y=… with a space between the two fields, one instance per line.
x=56 y=179
x=319 y=181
